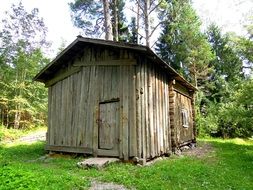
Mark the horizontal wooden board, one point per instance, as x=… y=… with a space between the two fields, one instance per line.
x=107 y=63
x=62 y=76
x=68 y=149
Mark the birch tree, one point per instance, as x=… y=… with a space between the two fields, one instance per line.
x=150 y=14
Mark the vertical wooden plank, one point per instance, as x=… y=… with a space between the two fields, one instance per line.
x=72 y=123
x=72 y=112
x=154 y=109
x=132 y=113
x=52 y=139
x=150 y=109
x=157 y=112
x=91 y=105
x=102 y=83
x=58 y=134
x=121 y=131
x=138 y=109
x=193 y=117
x=115 y=82
x=143 y=115
x=172 y=115
x=167 y=120
x=84 y=103
x=82 y=108
x=125 y=91
x=161 y=113
x=67 y=112
x=50 y=111
x=87 y=106
x=56 y=119
x=78 y=109
x=146 y=97
x=63 y=111
x=165 y=96
x=56 y=126
x=95 y=112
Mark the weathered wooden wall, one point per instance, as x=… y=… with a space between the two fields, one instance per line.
x=114 y=102
x=153 y=123
x=76 y=101
x=183 y=100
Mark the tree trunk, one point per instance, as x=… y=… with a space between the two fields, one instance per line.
x=7 y=118
x=138 y=21
x=146 y=20
x=116 y=21
x=107 y=22
x=17 y=117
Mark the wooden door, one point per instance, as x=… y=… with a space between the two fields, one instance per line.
x=108 y=129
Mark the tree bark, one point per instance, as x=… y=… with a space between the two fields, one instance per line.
x=116 y=21
x=138 y=21
x=107 y=22
x=17 y=117
x=146 y=20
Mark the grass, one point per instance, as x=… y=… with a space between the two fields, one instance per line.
x=230 y=167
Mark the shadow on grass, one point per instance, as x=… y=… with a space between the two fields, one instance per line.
x=19 y=152
x=22 y=168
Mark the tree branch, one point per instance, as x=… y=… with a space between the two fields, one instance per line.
x=138 y=3
x=155 y=28
x=155 y=7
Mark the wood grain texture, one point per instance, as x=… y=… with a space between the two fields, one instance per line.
x=128 y=92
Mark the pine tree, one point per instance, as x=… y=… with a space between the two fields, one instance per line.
x=96 y=18
x=181 y=43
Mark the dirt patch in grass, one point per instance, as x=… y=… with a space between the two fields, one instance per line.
x=96 y=185
x=202 y=149
x=33 y=137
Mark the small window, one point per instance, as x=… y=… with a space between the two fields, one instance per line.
x=185 y=118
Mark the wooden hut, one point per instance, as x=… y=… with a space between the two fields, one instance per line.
x=116 y=99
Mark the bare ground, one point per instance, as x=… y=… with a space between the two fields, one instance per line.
x=33 y=137
x=201 y=150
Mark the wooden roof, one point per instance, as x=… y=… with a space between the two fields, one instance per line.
x=77 y=46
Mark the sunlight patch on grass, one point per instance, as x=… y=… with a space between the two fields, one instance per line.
x=238 y=141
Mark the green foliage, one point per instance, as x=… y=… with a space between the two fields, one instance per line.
x=133 y=38
x=230 y=118
x=88 y=15
x=181 y=43
x=224 y=109
x=229 y=167
x=84 y=12
x=22 y=101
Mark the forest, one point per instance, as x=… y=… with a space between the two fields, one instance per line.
x=218 y=64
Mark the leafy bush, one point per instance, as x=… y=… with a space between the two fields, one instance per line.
x=232 y=118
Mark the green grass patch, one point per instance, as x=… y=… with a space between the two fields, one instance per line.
x=230 y=167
